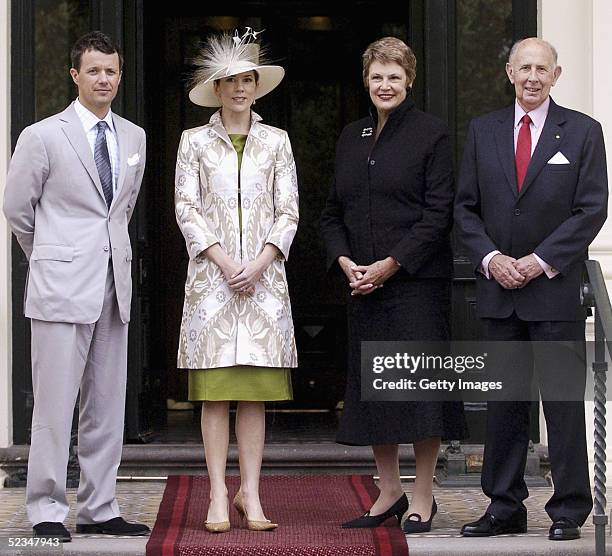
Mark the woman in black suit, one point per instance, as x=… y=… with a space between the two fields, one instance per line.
x=387 y=222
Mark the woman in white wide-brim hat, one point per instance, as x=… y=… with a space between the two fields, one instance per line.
x=236 y=200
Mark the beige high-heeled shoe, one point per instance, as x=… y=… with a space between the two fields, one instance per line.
x=218 y=526
x=252 y=524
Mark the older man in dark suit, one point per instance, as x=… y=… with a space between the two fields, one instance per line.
x=531 y=197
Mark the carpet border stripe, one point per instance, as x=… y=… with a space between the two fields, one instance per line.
x=366 y=492
x=178 y=517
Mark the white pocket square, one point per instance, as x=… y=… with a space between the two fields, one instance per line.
x=133 y=160
x=559 y=158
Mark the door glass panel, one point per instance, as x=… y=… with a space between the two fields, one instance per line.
x=57 y=25
x=484 y=39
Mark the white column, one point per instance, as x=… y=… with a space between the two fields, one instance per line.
x=6 y=409
x=566 y=24
x=602 y=248
x=601 y=33
x=582 y=34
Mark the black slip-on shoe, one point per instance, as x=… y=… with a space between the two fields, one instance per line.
x=564 y=530
x=52 y=529
x=489 y=525
x=116 y=526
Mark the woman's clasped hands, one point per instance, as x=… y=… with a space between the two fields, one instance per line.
x=364 y=279
x=242 y=277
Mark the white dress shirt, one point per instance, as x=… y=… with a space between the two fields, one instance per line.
x=538 y=119
x=90 y=122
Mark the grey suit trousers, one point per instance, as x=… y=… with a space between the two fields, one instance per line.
x=67 y=358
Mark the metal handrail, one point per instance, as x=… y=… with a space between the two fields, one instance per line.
x=595 y=294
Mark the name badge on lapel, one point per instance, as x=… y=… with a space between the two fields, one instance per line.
x=366 y=132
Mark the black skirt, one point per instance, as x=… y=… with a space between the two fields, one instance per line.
x=402 y=310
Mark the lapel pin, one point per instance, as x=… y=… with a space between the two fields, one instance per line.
x=366 y=132
x=557 y=136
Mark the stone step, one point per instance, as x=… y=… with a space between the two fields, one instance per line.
x=161 y=460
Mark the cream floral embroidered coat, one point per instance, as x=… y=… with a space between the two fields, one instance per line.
x=220 y=327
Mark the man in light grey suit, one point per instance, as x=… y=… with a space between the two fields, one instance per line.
x=70 y=192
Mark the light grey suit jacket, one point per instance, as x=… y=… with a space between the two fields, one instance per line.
x=55 y=205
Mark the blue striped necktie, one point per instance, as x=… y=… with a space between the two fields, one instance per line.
x=103 y=163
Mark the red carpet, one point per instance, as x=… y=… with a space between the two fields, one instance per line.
x=309 y=510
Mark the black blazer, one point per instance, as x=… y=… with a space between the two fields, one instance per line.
x=393 y=197
x=558 y=213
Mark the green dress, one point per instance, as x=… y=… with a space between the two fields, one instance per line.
x=240 y=382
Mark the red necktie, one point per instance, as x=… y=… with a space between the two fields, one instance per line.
x=523 y=151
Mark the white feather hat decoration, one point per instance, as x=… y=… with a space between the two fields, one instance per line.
x=223 y=56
